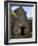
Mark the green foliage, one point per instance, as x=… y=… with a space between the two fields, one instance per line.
x=13 y=14
x=30 y=25
x=28 y=34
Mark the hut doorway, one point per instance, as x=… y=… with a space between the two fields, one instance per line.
x=22 y=30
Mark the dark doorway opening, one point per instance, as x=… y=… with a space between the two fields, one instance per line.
x=22 y=30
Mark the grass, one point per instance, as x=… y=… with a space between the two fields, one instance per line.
x=27 y=35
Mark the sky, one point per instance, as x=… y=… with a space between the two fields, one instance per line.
x=27 y=9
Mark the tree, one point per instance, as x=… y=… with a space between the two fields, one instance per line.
x=30 y=24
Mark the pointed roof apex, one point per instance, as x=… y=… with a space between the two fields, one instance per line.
x=21 y=7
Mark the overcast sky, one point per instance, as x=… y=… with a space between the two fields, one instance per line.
x=27 y=9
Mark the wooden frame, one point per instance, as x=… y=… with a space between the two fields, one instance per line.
x=6 y=22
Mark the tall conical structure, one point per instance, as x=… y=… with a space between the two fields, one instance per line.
x=21 y=23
